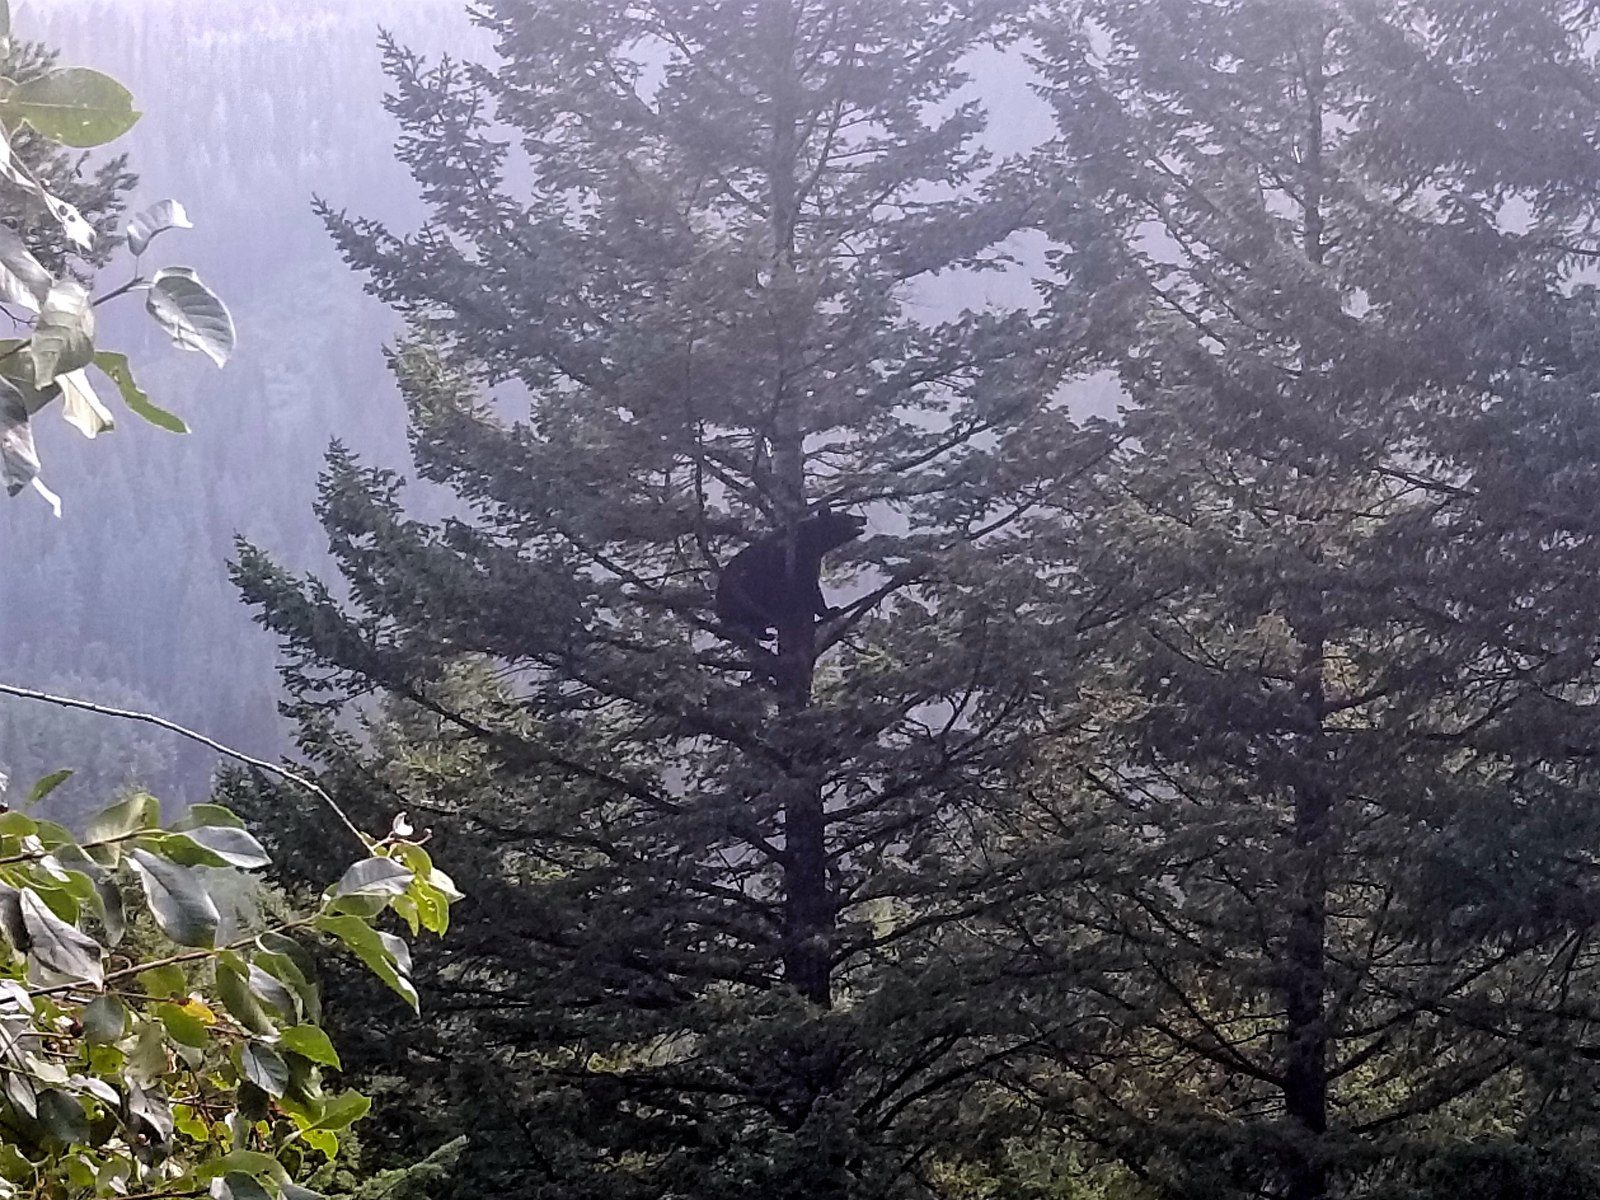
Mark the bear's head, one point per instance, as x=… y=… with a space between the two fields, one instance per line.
x=825 y=529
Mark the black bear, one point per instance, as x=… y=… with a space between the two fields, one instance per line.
x=776 y=581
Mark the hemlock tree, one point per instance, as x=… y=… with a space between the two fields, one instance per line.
x=661 y=310
x=1340 y=770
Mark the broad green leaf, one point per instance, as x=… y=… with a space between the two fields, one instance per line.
x=343 y=1111
x=309 y=1041
x=58 y=946
x=376 y=950
x=182 y=1025
x=374 y=877
x=264 y=1067
x=115 y=368
x=11 y=923
x=168 y=980
x=233 y=985
x=17 y=824
x=191 y=313
x=63 y=337
x=63 y=1117
x=238 y=1186
x=111 y=910
x=158 y=218
x=178 y=900
x=245 y=1162
x=105 y=1019
x=271 y=992
x=5 y=33
x=72 y=105
x=13 y=1165
x=207 y=814
x=81 y=408
x=284 y=969
x=188 y=1122
x=406 y=909
x=47 y=785
x=233 y=847
x=19 y=459
x=138 y=812
x=24 y=281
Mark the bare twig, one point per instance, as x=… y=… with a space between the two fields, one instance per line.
x=261 y=764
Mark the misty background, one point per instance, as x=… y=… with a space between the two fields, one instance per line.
x=251 y=110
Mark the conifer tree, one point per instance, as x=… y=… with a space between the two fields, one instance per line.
x=1330 y=797
x=664 y=307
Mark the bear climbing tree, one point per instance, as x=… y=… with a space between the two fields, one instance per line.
x=777 y=579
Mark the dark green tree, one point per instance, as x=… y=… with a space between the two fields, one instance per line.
x=665 y=304
x=1329 y=815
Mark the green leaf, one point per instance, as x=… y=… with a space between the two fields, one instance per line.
x=271 y=992
x=132 y=815
x=238 y=1186
x=374 y=877
x=19 y=459
x=178 y=899
x=63 y=1117
x=191 y=313
x=376 y=950
x=233 y=985
x=264 y=1067
x=115 y=368
x=247 y=1162
x=17 y=824
x=72 y=105
x=81 y=408
x=158 y=218
x=24 y=281
x=57 y=946
x=63 y=337
x=309 y=1041
x=47 y=785
x=232 y=847
x=168 y=980
x=207 y=814
x=105 y=1019
x=182 y=1025
x=343 y=1111
x=111 y=910
x=11 y=919
x=288 y=972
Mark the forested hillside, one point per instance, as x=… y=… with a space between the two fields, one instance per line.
x=250 y=111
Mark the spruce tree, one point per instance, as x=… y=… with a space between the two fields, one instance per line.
x=1329 y=803
x=664 y=306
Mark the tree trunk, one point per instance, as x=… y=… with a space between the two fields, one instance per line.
x=808 y=904
x=1306 y=978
